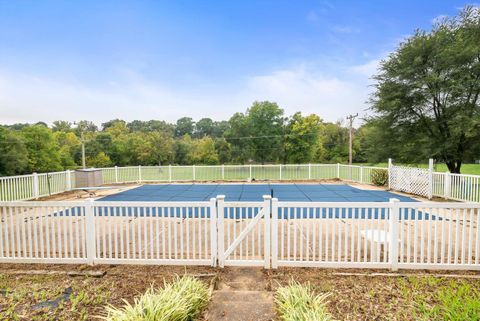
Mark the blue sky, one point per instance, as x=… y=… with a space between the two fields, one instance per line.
x=100 y=60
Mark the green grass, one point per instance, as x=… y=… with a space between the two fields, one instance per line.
x=472 y=169
x=297 y=302
x=181 y=300
x=452 y=300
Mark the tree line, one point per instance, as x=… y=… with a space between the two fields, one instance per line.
x=262 y=134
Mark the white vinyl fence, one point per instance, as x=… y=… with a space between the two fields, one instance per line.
x=269 y=233
x=416 y=181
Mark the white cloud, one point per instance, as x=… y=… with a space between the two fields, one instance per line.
x=302 y=90
x=31 y=98
x=368 y=69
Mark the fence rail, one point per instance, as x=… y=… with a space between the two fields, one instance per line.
x=420 y=182
x=271 y=233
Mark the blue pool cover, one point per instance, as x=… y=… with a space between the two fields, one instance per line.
x=253 y=192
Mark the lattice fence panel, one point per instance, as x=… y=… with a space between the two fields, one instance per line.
x=410 y=180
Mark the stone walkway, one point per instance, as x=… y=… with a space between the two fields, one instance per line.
x=242 y=295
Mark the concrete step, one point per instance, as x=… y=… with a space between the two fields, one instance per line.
x=241 y=305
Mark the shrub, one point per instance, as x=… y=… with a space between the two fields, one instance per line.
x=297 y=302
x=181 y=300
x=379 y=177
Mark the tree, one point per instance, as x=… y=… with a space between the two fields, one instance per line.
x=184 y=126
x=42 y=149
x=62 y=126
x=182 y=148
x=204 y=127
x=302 y=138
x=224 y=150
x=68 y=143
x=13 y=153
x=237 y=136
x=266 y=128
x=203 y=152
x=99 y=160
x=427 y=93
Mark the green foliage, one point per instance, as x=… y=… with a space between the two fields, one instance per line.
x=427 y=94
x=260 y=135
x=42 y=149
x=185 y=126
x=181 y=300
x=13 y=153
x=303 y=138
x=297 y=302
x=379 y=177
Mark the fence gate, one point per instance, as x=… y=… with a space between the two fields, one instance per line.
x=243 y=230
x=410 y=180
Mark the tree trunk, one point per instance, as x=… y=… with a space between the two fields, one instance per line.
x=454 y=166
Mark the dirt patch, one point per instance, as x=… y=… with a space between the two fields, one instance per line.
x=42 y=297
x=363 y=297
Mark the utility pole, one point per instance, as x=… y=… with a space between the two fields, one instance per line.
x=83 y=149
x=82 y=141
x=350 y=118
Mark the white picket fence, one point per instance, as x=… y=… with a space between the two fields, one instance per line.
x=416 y=181
x=270 y=233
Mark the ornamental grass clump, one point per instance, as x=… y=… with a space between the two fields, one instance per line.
x=297 y=302
x=181 y=300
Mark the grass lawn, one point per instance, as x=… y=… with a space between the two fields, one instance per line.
x=389 y=298
x=32 y=297
x=473 y=169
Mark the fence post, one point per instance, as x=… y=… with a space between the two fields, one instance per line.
x=170 y=172
x=250 y=176
x=430 y=178
x=116 y=174
x=393 y=231
x=338 y=170
x=68 y=180
x=389 y=173
x=280 y=171
x=139 y=173
x=90 y=231
x=274 y=235
x=361 y=173
x=35 y=186
x=309 y=171
x=193 y=170
x=267 y=229
x=213 y=230
x=447 y=181
x=220 y=230
x=223 y=171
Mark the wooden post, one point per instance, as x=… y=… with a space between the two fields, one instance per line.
x=430 y=178
x=447 y=181
x=213 y=230
x=35 y=186
x=274 y=234
x=90 y=231
x=393 y=232
x=267 y=219
x=68 y=180
x=220 y=230
x=389 y=173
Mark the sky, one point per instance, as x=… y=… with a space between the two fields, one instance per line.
x=102 y=60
